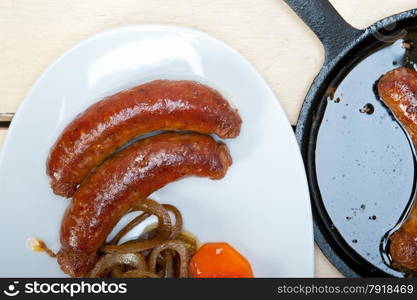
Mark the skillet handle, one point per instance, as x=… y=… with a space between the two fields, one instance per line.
x=323 y=19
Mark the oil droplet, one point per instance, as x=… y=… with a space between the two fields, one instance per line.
x=367 y=109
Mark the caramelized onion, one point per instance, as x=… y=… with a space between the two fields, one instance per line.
x=132 y=224
x=189 y=240
x=178 y=246
x=163 y=251
x=177 y=228
x=168 y=271
x=138 y=274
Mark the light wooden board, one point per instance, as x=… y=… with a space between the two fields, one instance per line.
x=34 y=33
x=288 y=55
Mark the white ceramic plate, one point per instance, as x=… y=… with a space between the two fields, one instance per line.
x=262 y=205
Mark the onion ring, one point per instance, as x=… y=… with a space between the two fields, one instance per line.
x=138 y=274
x=177 y=245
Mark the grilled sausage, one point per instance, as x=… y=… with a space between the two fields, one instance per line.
x=398 y=90
x=131 y=174
x=403 y=243
x=110 y=123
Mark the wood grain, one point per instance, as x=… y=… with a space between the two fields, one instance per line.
x=287 y=54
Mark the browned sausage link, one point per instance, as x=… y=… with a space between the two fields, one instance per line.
x=110 y=123
x=134 y=173
x=398 y=90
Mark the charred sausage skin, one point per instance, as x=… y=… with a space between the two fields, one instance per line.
x=108 y=124
x=398 y=90
x=131 y=174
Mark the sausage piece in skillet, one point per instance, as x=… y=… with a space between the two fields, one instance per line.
x=131 y=174
x=110 y=123
x=398 y=90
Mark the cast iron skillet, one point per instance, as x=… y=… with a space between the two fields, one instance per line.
x=359 y=161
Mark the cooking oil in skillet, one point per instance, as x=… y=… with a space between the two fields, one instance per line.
x=365 y=164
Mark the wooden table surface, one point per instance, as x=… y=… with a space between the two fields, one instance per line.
x=286 y=53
